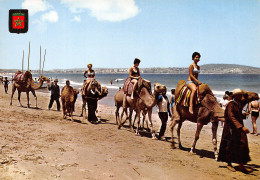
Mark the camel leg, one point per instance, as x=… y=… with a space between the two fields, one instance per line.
x=146 y=121
x=119 y=125
x=143 y=113
x=130 y=120
x=134 y=119
x=19 y=98
x=83 y=106
x=71 y=111
x=28 y=103
x=33 y=92
x=117 y=114
x=214 y=138
x=64 y=110
x=151 y=123
x=179 y=134
x=122 y=114
x=199 y=127
x=84 y=118
x=138 y=121
x=172 y=125
x=124 y=111
x=13 y=90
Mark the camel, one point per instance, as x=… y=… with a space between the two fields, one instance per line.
x=27 y=86
x=118 y=98
x=103 y=93
x=207 y=111
x=143 y=100
x=68 y=99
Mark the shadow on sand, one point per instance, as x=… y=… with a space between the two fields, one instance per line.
x=251 y=166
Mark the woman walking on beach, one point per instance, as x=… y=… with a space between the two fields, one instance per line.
x=134 y=74
x=193 y=81
x=254 y=106
x=234 y=144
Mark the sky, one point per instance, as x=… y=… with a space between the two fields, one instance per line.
x=111 y=33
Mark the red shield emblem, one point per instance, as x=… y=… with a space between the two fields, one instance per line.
x=18 y=21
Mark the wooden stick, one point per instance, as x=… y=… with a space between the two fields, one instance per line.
x=22 y=61
x=40 y=60
x=43 y=60
x=29 y=56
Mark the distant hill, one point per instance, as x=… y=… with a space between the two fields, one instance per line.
x=205 y=69
x=229 y=69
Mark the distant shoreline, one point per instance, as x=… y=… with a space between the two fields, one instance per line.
x=205 y=69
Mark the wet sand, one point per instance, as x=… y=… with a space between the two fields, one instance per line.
x=37 y=143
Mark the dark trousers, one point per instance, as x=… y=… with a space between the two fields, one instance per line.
x=92 y=107
x=164 y=118
x=6 y=88
x=54 y=98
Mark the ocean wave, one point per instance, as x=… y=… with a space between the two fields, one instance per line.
x=76 y=83
x=111 y=87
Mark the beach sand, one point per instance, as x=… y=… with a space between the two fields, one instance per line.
x=39 y=144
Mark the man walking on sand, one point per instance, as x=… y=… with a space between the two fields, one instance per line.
x=55 y=94
x=6 y=82
x=234 y=144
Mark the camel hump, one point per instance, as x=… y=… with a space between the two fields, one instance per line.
x=67 y=93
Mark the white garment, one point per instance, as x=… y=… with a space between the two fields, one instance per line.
x=224 y=103
x=163 y=105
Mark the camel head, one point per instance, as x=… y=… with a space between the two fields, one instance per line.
x=76 y=91
x=104 y=91
x=204 y=89
x=44 y=78
x=158 y=88
x=210 y=102
x=249 y=96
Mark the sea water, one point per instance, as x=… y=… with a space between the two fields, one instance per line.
x=219 y=83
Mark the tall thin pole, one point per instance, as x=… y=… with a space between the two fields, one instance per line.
x=43 y=60
x=40 y=60
x=22 y=60
x=29 y=56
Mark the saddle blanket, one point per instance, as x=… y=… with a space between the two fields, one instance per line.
x=184 y=97
x=128 y=86
x=19 y=76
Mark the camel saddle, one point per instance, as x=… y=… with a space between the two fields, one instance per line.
x=128 y=85
x=20 y=77
x=183 y=93
x=86 y=86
